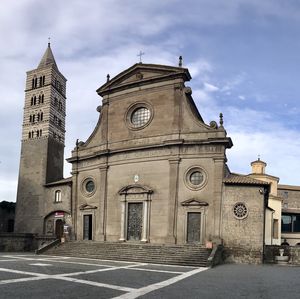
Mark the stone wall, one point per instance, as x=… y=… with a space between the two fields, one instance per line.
x=243 y=237
x=17 y=242
x=242 y=255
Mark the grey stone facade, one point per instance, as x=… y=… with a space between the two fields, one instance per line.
x=151 y=171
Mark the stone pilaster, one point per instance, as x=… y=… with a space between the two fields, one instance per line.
x=173 y=200
x=218 y=182
x=102 y=213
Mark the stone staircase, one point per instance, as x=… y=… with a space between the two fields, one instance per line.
x=185 y=255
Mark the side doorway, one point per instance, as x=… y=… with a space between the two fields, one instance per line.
x=59 y=228
x=87 y=227
x=193 y=227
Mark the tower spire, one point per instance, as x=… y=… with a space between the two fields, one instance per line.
x=48 y=58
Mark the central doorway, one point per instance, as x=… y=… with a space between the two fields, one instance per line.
x=135 y=221
x=87 y=227
x=193 y=227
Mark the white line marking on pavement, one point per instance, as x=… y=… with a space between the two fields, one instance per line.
x=40 y=264
x=77 y=263
x=22 y=279
x=142 y=291
x=154 y=270
x=22 y=272
x=111 y=261
x=11 y=260
x=97 y=270
x=92 y=283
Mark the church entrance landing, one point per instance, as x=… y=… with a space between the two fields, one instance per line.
x=135 y=221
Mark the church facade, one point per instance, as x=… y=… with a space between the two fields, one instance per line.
x=151 y=171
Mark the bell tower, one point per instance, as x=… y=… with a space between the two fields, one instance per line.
x=43 y=141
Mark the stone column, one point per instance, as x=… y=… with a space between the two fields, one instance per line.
x=173 y=200
x=123 y=218
x=145 y=222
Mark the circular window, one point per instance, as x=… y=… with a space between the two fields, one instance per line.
x=240 y=210
x=140 y=117
x=89 y=186
x=195 y=178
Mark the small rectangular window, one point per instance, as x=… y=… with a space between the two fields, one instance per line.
x=57 y=196
x=275 y=228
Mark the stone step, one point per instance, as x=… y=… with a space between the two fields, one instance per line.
x=190 y=255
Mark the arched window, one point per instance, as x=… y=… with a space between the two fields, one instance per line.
x=41 y=81
x=42 y=114
x=30 y=118
x=33 y=118
x=42 y=99
x=41 y=133
x=32 y=83
x=31 y=101
x=29 y=135
x=38 y=117
x=37 y=133
x=34 y=100
x=57 y=197
x=35 y=82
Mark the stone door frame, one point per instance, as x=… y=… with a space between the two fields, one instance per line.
x=85 y=210
x=135 y=194
x=195 y=206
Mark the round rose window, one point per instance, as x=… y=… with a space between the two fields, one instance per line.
x=240 y=210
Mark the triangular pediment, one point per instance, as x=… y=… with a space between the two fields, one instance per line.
x=194 y=203
x=140 y=74
x=87 y=207
x=135 y=189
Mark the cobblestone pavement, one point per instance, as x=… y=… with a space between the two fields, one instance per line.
x=30 y=276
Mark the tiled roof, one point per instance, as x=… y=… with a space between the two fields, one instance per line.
x=234 y=178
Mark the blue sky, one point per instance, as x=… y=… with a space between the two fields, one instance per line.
x=243 y=56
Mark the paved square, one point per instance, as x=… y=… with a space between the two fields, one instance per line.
x=38 y=277
x=30 y=276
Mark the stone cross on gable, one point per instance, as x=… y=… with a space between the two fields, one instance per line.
x=140 y=55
